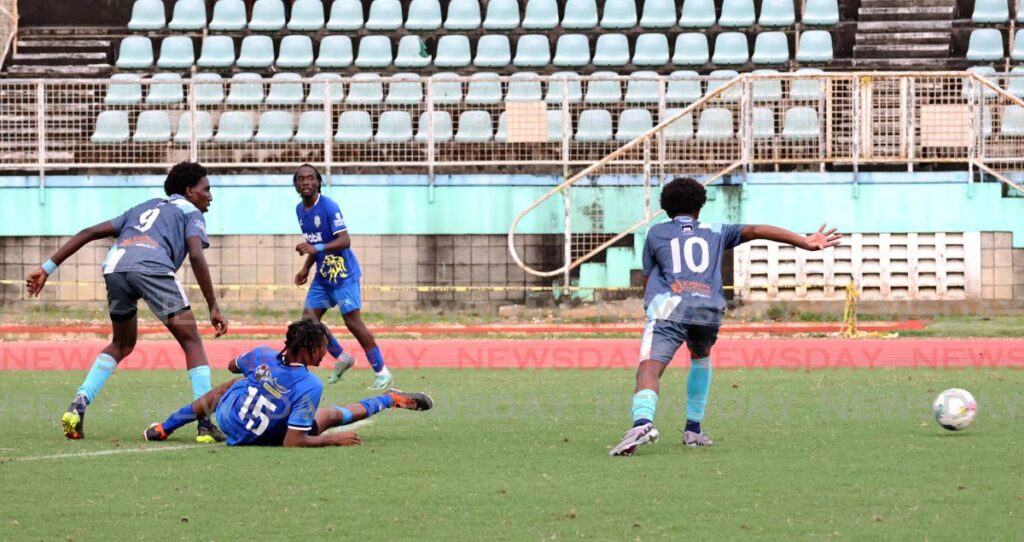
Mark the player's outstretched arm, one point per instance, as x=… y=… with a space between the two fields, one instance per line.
x=37 y=278
x=296 y=438
x=819 y=240
x=202 y=272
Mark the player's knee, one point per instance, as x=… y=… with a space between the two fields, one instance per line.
x=125 y=348
x=703 y=362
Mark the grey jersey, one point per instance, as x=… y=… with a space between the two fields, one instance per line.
x=683 y=262
x=151 y=236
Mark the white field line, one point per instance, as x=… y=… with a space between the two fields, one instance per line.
x=79 y=455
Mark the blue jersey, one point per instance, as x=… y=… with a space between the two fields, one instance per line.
x=151 y=236
x=683 y=262
x=272 y=398
x=320 y=224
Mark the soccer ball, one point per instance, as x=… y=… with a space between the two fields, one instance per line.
x=954 y=409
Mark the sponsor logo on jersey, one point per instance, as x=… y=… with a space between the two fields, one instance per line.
x=314 y=238
x=316 y=221
x=266 y=378
x=334 y=268
x=338 y=221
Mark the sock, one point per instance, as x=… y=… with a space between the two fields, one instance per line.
x=376 y=404
x=346 y=415
x=334 y=347
x=645 y=402
x=376 y=360
x=102 y=367
x=181 y=417
x=698 y=383
x=693 y=426
x=200 y=378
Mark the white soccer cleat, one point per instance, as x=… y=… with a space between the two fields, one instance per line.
x=696 y=439
x=635 y=438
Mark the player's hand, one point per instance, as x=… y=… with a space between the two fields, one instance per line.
x=35 y=282
x=822 y=239
x=345 y=438
x=301 y=277
x=305 y=248
x=220 y=323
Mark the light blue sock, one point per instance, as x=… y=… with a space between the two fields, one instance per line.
x=200 y=378
x=346 y=415
x=102 y=367
x=698 y=383
x=645 y=403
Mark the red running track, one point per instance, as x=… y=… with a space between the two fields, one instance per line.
x=794 y=354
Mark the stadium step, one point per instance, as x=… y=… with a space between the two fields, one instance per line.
x=917 y=13
x=58 y=59
x=34 y=71
x=889 y=38
x=897 y=50
x=905 y=26
x=906 y=3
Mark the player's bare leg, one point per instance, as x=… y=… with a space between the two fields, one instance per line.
x=356 y=326
x=183 y=327
x=345 y=361
x=203 y=407
x=122 y=342
x=648 y=379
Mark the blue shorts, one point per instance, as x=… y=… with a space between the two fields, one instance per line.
x=346 y=296
x=662 y=338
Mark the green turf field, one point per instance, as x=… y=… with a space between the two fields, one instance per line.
x=521 y=455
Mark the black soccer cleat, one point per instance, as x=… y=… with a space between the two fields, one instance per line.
x=411 y=401
x=73 y=421
x=207 y=433
x=154 y=432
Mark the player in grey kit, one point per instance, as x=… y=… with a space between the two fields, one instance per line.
x=685 y=303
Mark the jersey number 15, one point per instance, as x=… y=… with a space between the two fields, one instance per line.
x=256 y=417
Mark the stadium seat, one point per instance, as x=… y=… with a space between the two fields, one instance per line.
x=474 y=127
x=501 y=134
x=152 y=127
x=1018 y=46
x=715 y=124
x=257 y=52
x=312 y=128
x=245 y=89
x=986 y=72
x=493 y=51
x=393 y=127
x=405 y=89
x=990 y=11
x=556 y=125
x=354 y=127
x=111 y=128
x=166 y=89
x=441 y=127
x=806 y=90
x=594 y=125
x=275 y=127
x=633 y=123
x=483 y=88
x=762 y=123
x=412 y=53
x=452 y=52
x=737 y=13
x=135 y=52
x=619 y=14
x=423 y=15
x=1015 y=85
x=234 y=127
x=603 y=87
x=374 y=52
x=776 y=13
x=658 y=14
x=217 y=52
x=384 y=15
x=1012 y=123
x=815 y=46
x=208 y=88
x=335 y=52
x=697 y=14
x=189 y=15
x=985 y=44
x=296 y=52
x=306 y=16
x=691 y=49
x=679 y=130
x=365 y=88
x=642 y=87
x=127 y=93
x=801 y=124
x=502 y=15
x=766 y=90
x=567 y=83
x=821 y=12
x=720 y=78
x=683 y=86
x=771 y=48
x=228 y=16
x=580 y=14
x=147 y=15
x=346 y=15
x=731 y=48
x=463 y=15
x=285 y=89
x=444 y=90
x=651 y=50
x=524 y=87
x=318 y=91
x=532 y=51
x=204 y=128
x=176 y=52
x=540 y=15
x=572 y=50
x=267 y=16
x=611 y=50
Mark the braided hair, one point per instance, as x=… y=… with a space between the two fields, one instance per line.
x=307 y=334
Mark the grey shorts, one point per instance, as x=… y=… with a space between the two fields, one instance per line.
x=662 y=338
x=163 y=294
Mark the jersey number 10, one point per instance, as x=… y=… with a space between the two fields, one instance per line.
x=688 y=253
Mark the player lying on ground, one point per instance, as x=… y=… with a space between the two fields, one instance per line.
x=275 y=403
x=685 y=303
x=152 y=241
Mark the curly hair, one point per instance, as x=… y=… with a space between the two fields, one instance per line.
x=319 y=177
x=683 y=196
x=182 y=176
x=307 y=334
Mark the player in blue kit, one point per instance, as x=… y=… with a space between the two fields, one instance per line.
x=152 y=241
x=276 y=402
x=685 y=303
x=337 y=274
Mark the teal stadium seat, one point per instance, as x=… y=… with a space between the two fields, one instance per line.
x=762 y=123
x=731 y=48
x=619 y=14
x=228 y=16
x=715 y=124
x=188 y=15
x=354 y=127
x=642 y=87
x=208 y=88
x=374 y=52
x=452 y=52
x=152 y=127
x=446 y=88
x=176 y=52
x=111 y=128
x=633 y=123
x=651 y=50
x=306 y=16
x=776 y=13
x=595 y=125
x=697 y=14
x=815 y=46
x=335 y=52
x=683 y=86
x=567 y=83
x=245 y=89
x=166 y=89
x=493 y=51
x=771 y=48
x=474 y=127
x=766 y=90
x=412 y=53
x=405 y=89
x=234 y=127
x=658 y=14
x=990 y=11
x=384 y=15
x=720 y=78
x=1012 y=124
x=532 y=51
x=275 y=127
x=285 y=89
x=679 y=130
x=128 y=92
x=806 y=90
x=556 y=125
x=365 y=88
x=326 y=84
x=691 y=49
x=217 y=52
x=204 y=128
x=296 y=52
x=423 y=15
x=1018 y=46
x=801 y=124
x=737 y=13
x=135 y=52
x=267 y=16
x=985 y=44
x=1015 y=86
x=540 y=15
x=502 y=15
x=441 y=127
x=821 y=12
x=346 y=16
x=611 y=50
x=147 y=15
x=484 y=88
x=603 y=87
x=394 y=127
x=572 y=50
x=580 y=15
x=986 y=72
x=524 y=87
x=312 y=128
x=463 y=15
x=257 y=52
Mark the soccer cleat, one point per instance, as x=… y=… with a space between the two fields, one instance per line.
x=696 y=439
x=411 y=401
x=207 y=433
x=383 y=381
x=154 y=432
x=344 y=363
x=635 y=438
x=74 y=419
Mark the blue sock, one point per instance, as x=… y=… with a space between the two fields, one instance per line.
x=182 y=416
x=698 y=383
x=200 y=378
x=334 y=347
x=645 y=403
x=376 y=404
x=376 y=359
x=102 y=367
x=346 y=415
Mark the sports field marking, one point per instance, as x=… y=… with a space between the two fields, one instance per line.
x=80 y=455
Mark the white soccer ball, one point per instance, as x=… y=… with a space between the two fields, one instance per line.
x=954 y=409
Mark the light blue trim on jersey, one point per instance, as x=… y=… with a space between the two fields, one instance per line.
x=183 y=204
x=662 y=306
x=716 y=228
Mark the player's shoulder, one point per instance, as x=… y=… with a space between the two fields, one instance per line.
x=311 y=382
x=183 y=205
x=327 y=203
x=261 y=353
